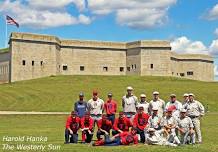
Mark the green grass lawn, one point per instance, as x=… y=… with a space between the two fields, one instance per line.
x=60 y=92
x=52 y=127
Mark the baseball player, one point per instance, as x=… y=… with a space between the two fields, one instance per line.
x=154 y=120
x=124 y=138
x=129 y=103
x=154 y=137
x=110 y=107
x=170 y=124
x=175 y=105
x=87 y=128
x=157 y=102
x=104 y=126
x=185 y=127
x=95 y=107
x=195 y=110
x=143 y=103
x=121 y=124
x=80 y=107
x=72 y=127
x=140 y=122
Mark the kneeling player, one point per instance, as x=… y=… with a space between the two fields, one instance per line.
x=121 y=124
x=125 y=138
x=87 y=128
x=104 y=126
x=72 y=127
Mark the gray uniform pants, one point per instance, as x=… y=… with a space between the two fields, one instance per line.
x=197 y=127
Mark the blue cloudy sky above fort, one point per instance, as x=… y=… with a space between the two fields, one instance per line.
x=191 y=26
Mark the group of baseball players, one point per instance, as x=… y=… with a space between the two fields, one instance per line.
x=152 y=123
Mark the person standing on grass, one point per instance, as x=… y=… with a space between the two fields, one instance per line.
x=72 y=127
x=104 y=126
x=175 y=105
x=185 y=101
x=95 y=107
x=80 y=106
x=121 y=124
x=87 y=128
x=140 y=122
x=157 y=102
x=143 y=103
x=110 y=107
x=129 y=103
x=195 y=110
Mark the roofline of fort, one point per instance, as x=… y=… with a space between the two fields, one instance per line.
x=106 y=45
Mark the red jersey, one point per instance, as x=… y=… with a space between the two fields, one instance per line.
x=87 y=123
x=127 y=138
x=73 y=123
x=107 y=125
x=110 y=107
x=141 y=121
x=122 y=124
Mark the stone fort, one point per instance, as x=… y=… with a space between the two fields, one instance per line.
x=33 y=56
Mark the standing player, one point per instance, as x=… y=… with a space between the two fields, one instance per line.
x=104 y=126
x=157 y=102
x=143 y=103
x=87 y=128
x=80 y=106
x=121 y=124
x=95 y=107
x=72 y=127
x=175 y=105
x=195 y=110
x=110 y=107
x=129 y=103
x=140 y=123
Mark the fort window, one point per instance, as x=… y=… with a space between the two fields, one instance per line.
x=82 y=68
x=132 y=66
x=41 y=63
x=121 y=69
x=32 y=63
x=190 y=73
x=182 y=74
x=128 y=68
x=65 y=67
x=23 y=62
x=172 y=73
x=105 y=68
x=135 y=66
x=152 y=66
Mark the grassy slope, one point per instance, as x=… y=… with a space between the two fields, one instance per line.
x=53 y=128
x=4 y=50
x=59 y=93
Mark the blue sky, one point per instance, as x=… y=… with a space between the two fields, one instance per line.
x=190 y=25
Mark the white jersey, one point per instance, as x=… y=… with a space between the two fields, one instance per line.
x=195 y=108
x=129 y=103
x=145 y=105
x=156 y=139
x=155 y=122
x=176 y=106
x=96 y=107
x=185 y=123
x=169 y=121
x=160 y=104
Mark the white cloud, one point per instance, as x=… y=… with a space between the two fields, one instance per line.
x=39 y=14
x=184 y=45
x=134 y=13
x=213 y=49
x=212 y=14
